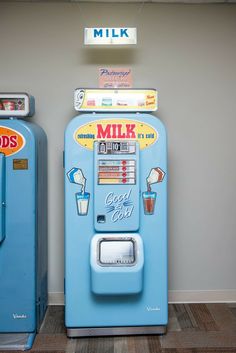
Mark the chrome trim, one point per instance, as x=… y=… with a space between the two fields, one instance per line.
x=131 y=239
x=110 y=151
x=116 y=331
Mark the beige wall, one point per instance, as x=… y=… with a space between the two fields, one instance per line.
x=188 y=53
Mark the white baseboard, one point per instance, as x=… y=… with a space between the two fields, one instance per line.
x=55 y=298
x=175 y=296
x=202 y=296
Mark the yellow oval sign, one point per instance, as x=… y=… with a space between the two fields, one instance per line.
x=116 y=129
x=11 y=141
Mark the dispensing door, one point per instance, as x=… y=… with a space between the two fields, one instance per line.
x=116 y=253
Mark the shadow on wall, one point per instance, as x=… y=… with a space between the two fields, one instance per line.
x=108 y=56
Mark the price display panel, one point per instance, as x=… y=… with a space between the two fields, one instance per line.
x=116 y=171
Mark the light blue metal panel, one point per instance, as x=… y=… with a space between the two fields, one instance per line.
x=19 y=252
x=83 y=307
x=116 y=205
x=2 y=196
x=41 y=275
x=117 y=269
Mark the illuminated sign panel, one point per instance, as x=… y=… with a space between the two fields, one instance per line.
x=113 y=100
x=16 y=104
x=110 y=36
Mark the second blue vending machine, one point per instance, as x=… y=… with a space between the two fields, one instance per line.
x=23 y=223
x=115 y=215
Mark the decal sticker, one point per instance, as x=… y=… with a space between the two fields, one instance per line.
x=79 y=98
x=112 y=77
x=118 y=129
x=156 y=175
x=11 y=141
x=119 y=205
x=76 y=176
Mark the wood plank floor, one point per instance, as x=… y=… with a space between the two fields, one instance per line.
x=193 y=328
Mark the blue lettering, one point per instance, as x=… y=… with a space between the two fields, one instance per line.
x=97 y=33
x=121 y=214
x=123 y=32
x=109 y=198
x=114 y=34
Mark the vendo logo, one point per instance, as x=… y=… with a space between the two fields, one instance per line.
x=11 y=141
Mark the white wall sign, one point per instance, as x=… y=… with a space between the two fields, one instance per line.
x=110 y=36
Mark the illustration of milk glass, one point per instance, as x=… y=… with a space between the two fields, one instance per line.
x=149 y=200
x=76 y=176
x=156 y=175
x=82 y=201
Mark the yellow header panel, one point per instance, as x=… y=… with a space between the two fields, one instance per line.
x=116 y=129
x=115 y=100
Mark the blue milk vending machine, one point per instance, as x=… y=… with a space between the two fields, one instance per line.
x=115 y=215
x=23 y=222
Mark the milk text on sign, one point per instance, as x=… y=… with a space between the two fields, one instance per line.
x=110 y=32
x=110 y=36
x=116 y=131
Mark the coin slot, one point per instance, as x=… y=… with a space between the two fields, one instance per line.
x=101 y=218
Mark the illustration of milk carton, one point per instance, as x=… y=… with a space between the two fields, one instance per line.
x=156 y=175
x=76 y=176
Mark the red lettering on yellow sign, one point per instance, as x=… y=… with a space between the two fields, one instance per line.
x=11 y=141
x=116 y=131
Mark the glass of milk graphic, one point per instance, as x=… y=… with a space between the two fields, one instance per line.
x=75 y=176
x=82 y=200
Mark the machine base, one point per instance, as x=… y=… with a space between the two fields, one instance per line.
x=16 y=341
x=116 y=331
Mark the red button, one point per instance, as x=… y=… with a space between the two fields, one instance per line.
x=124 y=181
x=124 y=174
x=124 y=169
